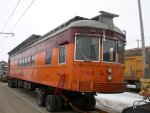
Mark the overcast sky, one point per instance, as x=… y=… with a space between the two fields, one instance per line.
x=44 y=15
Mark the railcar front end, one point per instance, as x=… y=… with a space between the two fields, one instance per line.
x=98 y=63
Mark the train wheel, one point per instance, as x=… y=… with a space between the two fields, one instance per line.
x=19 y=84
x=84 y=101
x=41 y=99
x=138 y=110
x=8 y=83
x=15 y=81
x=51 y=103
x=90 y=102
x=59 y=103
x=11 y=84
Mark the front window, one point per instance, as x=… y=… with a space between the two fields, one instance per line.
x=87 y=48
x=121 y=53
x=109 y=50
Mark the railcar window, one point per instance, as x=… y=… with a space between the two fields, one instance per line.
x=32 y=59
x=109 y=50
x=22 y=62
x=18 y=63
x=62 y=54
x=87 y=48
x=121 y=52
x=48 y=57
x=28 y=62
x=26 y=59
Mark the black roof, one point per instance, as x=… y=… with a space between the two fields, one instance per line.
x=76 y=18
x=25 y=42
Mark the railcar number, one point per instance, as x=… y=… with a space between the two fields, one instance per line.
x=87 y=73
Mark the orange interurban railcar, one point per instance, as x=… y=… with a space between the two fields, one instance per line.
x=71 y=63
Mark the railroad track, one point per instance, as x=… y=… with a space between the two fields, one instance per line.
x=82 y=111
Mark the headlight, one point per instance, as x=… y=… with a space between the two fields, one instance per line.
x=109 y=78
x=109 y=70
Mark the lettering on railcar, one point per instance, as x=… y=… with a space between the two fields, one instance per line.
x=87 y=73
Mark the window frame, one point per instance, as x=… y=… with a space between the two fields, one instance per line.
x=119 y=41
x=28 y=61
x=25 y=61
x=32 y=63
x=59 y=53
x=50 y=57
x=19 y=63
x=109 y=38
x=95 y=35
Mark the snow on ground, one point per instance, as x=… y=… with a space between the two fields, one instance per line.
x=115 y=103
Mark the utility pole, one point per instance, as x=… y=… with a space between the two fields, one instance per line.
x=142 y=36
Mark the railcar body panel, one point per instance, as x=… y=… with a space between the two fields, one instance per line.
x=94 y=77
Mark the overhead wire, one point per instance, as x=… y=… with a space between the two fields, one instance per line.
x=22 y=15
x=11 y=15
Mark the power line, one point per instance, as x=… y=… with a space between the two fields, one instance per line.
x=11 y=15
x=22 y=15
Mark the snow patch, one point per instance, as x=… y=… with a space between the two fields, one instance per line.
x=115 y=103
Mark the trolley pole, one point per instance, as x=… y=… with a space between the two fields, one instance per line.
x=7 y=33
x=142 y=36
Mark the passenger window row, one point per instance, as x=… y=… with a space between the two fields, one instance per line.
x=28 y=61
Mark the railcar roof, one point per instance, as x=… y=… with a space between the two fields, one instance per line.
x=34 y=38
x=27 y=41
x=77 y=21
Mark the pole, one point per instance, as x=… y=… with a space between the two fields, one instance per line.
x=142 y=36
x=138 y=43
